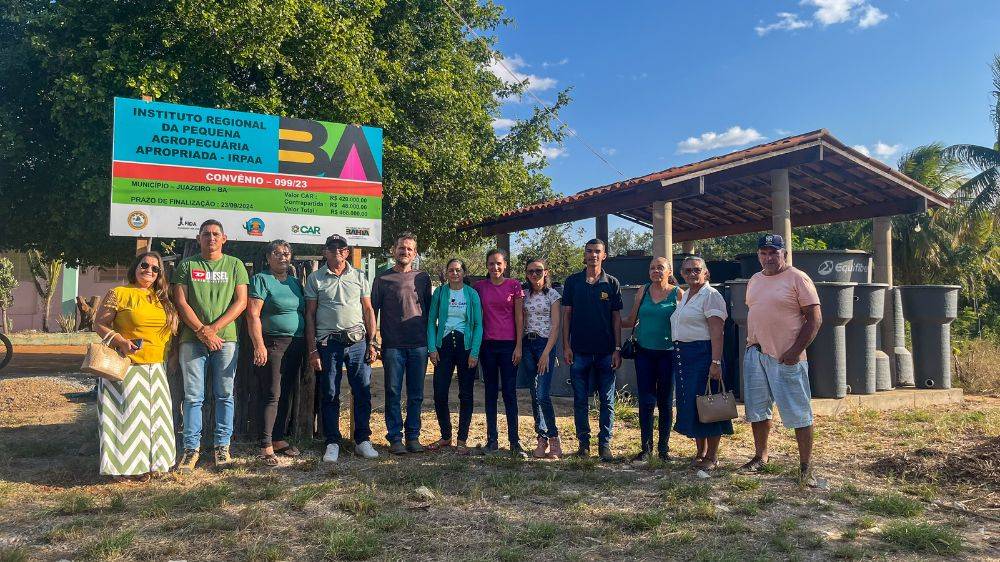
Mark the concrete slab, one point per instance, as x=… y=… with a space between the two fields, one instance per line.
x=898 y=399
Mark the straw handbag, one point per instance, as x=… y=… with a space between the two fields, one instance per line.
x=716 y=407
x=105 y=361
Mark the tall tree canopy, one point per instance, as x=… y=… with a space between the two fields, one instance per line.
x=406 y=66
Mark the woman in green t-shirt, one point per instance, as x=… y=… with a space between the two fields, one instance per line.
x=276 y=322
x=650 y=317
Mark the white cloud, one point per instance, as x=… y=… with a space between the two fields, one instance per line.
x=516 y=64
x=786 y=22
x=879 y=150
x=562 y=61
x=883 y=150
x=503 y=123
x=733 y=136
x=827 y=13
x=782 y=132
x=609 y=151
x=552 y=152
x=871 y=17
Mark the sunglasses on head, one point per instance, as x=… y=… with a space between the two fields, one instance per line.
x=147 y=265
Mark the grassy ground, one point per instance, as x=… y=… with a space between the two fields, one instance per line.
x=893 y=495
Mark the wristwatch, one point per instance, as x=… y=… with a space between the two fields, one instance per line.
x=618 y=348
x=717 y=362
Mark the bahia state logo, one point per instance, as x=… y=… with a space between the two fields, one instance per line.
x=306 y=230
x=254 y=227
x=137 y=220
x=357 y=231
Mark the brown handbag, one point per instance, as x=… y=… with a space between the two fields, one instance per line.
x=716 y=407
x=105 y=361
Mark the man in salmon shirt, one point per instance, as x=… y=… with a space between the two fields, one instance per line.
x=783 y=319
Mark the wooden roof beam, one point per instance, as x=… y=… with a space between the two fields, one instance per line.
x=888 y=209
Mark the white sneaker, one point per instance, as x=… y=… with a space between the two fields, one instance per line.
x=366 y=450
x=332 y=453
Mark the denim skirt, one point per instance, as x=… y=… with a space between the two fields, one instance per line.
x=691 y=363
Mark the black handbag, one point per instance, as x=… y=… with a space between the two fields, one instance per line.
x=630 y=348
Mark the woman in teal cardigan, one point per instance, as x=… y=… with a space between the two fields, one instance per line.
x=454 y=335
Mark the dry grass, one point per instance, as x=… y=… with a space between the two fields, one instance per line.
x=977 y=370
x=55 y=506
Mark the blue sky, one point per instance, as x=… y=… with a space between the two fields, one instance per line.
x=657 y=84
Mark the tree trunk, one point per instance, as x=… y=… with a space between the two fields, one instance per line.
x=55 y=271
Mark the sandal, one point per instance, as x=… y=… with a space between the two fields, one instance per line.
x=439 y=444
x=462 y=448
x=288 y=451
x=696 y=461
x=707 y=465
x=269 y=460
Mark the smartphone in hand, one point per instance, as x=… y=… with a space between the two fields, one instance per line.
x=137 y=343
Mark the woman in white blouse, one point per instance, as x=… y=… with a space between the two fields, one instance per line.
x=697 y=327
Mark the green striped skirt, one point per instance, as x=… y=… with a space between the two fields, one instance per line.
x=135 y=422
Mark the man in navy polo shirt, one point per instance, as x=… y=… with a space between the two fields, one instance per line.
x=591 y=340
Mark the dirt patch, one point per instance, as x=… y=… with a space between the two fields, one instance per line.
x=41 y=360
x=975 y=465
x=39 y=395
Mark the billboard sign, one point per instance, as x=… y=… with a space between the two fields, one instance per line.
x=262 y=176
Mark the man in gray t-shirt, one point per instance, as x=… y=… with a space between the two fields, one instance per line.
x=340 y=330
x=401 y=297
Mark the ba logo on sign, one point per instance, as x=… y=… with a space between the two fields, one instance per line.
x=254 y=227
x=306 y=230
x=358 y=231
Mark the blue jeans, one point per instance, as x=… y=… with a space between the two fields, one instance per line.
x=579 y=371
x=195 y=359
x=497 y=360
x=541 y=401
x=411 y=364
x=453 y=356
x=336 y=358
x=654 y=379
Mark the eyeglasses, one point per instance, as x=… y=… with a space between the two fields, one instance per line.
x=536 y=271
x=147 y=265
x=278 y=254
x=692 y=270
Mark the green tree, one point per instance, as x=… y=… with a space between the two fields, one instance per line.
x=559 y=245
x=622 y=240
x=8 y=284
x=408 y=67
x=983 y=189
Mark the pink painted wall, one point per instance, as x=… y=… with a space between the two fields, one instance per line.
x=27 y=310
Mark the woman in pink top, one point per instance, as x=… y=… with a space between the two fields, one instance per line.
x=503 y=323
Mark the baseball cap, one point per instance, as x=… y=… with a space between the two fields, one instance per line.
x=771 y=241
x=336 y=242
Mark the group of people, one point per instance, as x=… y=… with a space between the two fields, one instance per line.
x=497 y=326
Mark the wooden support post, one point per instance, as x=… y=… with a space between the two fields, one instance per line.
x=503 y=243
x=601 y=231
x=143 y=245
x=781 y=211
x=663 y=231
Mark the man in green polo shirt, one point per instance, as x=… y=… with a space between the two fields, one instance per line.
x=340 y=327
x=210 y=292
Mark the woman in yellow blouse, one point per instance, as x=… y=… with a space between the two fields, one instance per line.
x=134 y=416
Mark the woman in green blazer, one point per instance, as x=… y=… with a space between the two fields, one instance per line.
x=454 y=335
